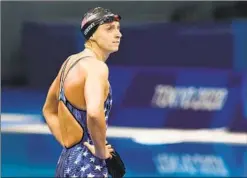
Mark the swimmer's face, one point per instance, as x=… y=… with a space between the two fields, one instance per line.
x=108 y=36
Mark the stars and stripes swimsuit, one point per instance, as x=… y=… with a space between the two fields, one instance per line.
x=78 y=161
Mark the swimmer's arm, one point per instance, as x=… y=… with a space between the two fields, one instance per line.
x=50 y=111
x=95 y=86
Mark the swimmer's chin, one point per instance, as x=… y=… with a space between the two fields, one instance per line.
x=115 y=50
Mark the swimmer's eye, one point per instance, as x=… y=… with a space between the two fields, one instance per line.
x=109 y=28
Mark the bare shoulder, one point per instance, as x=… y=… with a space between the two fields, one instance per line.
x=89 y=64
x=96 y=67
x=68 y=61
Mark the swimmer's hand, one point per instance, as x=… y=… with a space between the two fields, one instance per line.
x=106 y=155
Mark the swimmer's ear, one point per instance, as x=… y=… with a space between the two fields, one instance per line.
x=92 y=38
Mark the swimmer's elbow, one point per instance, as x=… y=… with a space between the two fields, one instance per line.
x=44 y=111
x=95 y=114
x=47 y=111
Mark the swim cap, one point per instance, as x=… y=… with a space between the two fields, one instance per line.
x=95 y=17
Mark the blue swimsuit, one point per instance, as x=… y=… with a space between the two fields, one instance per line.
x=78 y=161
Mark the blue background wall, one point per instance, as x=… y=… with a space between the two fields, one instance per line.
x=209 y=55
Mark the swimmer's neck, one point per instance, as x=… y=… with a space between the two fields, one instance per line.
x=99 y=53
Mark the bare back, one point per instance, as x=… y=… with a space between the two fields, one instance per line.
x=75 y=77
